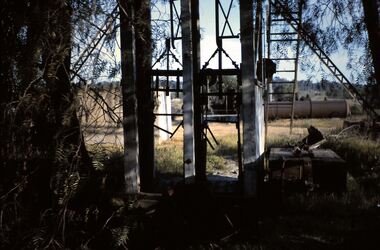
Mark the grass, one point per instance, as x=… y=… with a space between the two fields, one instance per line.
x=169 y=155
x=283 y=141
x=169 y=159
x=363 y=160
x=314 y=221
x=361 y=154
x=227 y=147
x=226 y=152
x=305 y=123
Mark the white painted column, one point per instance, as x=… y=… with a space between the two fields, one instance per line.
x=259 y=122
x=188 y=89
x=162 y=121
x=250 y=100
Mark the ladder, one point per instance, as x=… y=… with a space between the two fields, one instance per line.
x=289 y=16
x=280 y=33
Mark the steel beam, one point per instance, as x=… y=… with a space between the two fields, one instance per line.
x=212 y=72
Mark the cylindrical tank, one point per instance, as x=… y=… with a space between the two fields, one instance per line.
x=310 y=109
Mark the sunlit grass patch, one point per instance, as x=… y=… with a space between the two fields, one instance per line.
x=283 y=141
x=215 y=162
x=169 y=159
x=305 y=123
x=227 y=147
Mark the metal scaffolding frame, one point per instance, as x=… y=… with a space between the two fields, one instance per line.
x=223 y=26
x=288 y=15
x=184 y=26
x=140 y=80
x=279 y=32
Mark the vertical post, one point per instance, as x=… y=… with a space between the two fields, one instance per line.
x=144 y=95
x=259 y=92
x=219 y=44
x=268 y=79
x=248 y=98
x=192 y=117
x=188 y=89
x=200 y=141
x=164 y=121
x=128 y=84
x=268 y=30
x=295 y=85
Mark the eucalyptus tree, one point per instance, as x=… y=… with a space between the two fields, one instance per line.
x=42 y=150
x=352 y=25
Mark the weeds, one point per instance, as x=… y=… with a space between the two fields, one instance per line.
x=363 y=160
x=312 y=221
x=169 y=159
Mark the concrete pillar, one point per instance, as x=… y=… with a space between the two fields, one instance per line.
x=259 y=92
x=188 y=91
x=144 y=94
x=259 y=122
x=128 y=85
x=164 y=122
x=137 y=99
x=191 y=107
x=250 y=103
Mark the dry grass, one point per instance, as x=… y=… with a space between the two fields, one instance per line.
x=363 y=155
x=169 y=154
x=327 y=221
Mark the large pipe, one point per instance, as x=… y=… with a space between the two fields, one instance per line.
x=309 y=109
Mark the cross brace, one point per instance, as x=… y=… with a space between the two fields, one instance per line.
x=284 y=10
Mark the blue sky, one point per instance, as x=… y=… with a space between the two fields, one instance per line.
x=232 y=46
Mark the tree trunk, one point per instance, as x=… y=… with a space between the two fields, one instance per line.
x=371 y=18
x=67 y=145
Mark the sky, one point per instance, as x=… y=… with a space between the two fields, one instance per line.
x=232 y=46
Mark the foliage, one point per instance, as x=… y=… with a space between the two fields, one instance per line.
x=336 y=25
x=362 y=156
x=49 y=188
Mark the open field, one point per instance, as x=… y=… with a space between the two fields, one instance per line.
x=223 y=159
x=276 y=128
x=362 y=154
x=298 y=221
